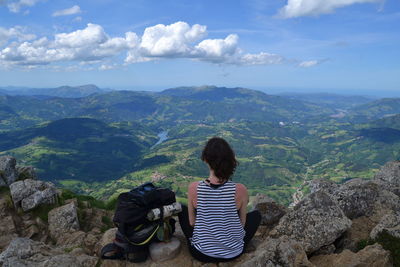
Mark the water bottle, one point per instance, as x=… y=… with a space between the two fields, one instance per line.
x=169 y=210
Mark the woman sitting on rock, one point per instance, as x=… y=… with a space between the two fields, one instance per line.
x=215 y=222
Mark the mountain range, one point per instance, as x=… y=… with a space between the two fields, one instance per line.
x=104 y=143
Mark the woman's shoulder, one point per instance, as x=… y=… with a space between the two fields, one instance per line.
x=193 y=187
x=241 y=190
x=240 y=187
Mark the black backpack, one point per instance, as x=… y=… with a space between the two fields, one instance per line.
x=135 y=231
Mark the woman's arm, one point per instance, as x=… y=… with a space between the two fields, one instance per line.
x=192 y=202
x=242 y=199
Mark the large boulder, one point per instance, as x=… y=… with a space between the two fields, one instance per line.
x=30 y=193
x=315 y=222
x=8 y=174
x=389 y=177
x=389 y=223
x=282 y=251
x=26 y=252
x=322 y=184
x=63 y=220
x=359 y=197
x=374 y=256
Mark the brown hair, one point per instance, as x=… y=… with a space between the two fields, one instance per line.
x=220 y=157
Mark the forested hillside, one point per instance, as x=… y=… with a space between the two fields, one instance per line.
x=105 y=143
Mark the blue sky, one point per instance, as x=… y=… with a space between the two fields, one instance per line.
x=289 y=45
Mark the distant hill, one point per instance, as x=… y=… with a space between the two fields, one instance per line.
x=170 y=107
x=388 y=121
x=331 y=100
x=78 y=148
x=62 y=91
x=375 y=110
x=212 y=93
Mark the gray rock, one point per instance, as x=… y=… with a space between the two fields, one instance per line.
x=279 y=252
x=162 y=251
x=26 y=252
x=389 y=177
x=315 y=222
x=389 y=173
x=389 y=223
x=63 y=220
x=326 y=250
x=261 y=198
x=373 y=255
x=31 y=193
x=8 y=230
x=26 y=172
x=8 y=174
x=47 y=196
x=322 y=184
x=21 y=248
x=271 y=212
x=359 y=197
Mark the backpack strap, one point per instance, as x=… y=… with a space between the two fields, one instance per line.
x=111 y=252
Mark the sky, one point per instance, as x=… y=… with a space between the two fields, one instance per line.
x=287 y=45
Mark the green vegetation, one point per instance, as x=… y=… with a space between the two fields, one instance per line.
x=280 y=141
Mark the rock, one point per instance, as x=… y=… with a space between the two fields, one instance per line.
x=271 y=212
x=261 y=198
x=322 y=184
x=8 y=231
x=26 y=252
x=374 y=256
x=8 y=174
x=26 y=172
x=389 y=223
x=66 y=260
x=32 y=231
x=279 y=252
x=163 y=251
x=47 y=196
x=316 y=221
x=63 y=220
x=359 y=230
x=359 y=197
x=325 y=250
x=108 y=237
x=389 y=174
x=31 y=193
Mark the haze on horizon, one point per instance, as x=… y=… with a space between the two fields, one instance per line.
x=286 y=45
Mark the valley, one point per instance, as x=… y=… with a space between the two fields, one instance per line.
x=107 y=142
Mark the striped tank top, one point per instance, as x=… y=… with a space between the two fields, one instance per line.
x=217 y=231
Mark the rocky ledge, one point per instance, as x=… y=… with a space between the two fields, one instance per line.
x=352 y=224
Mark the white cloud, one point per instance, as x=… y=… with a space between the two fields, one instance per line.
x=298 y=8
x=89 y=44
x=170 y=40
x=69 y=11
x=92 y=45
x=16 y=32
x=307 y=64
x=312 y=63
x=15 y=6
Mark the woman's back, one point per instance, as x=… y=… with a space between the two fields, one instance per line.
x=218 y=231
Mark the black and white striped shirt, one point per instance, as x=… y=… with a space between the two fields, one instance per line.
x=217 y=231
